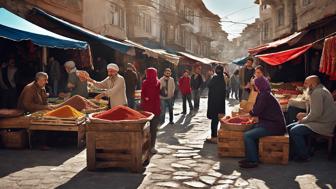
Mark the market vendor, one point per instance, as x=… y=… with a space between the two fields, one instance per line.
x=34 y=97
x=114 y=85
x=271 y=121
x=75 y=84
x=321 y=118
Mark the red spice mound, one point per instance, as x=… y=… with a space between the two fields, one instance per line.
x=240 y=120
x=120 y=113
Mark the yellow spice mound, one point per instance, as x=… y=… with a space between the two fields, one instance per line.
x=65 y=112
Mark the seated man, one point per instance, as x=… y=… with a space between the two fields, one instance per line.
x=271 y=122
x=321 y=118
x=34 y=97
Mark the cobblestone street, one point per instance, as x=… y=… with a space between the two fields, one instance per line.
x=183 y=161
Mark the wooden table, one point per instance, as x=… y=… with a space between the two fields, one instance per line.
x=80 y=129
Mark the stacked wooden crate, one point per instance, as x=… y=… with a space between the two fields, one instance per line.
x=274 y=149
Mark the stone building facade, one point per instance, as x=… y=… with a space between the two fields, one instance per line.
x=280 y=18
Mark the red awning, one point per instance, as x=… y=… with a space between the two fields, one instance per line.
x=281 y=57
x=294 y=37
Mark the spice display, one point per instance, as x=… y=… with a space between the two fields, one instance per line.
x=240 y=120
x=80 y=103
x=65 y=112
x=121 y=113
x=283 y=101
x=289 y=92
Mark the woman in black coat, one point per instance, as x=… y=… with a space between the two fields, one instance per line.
x=216 y=101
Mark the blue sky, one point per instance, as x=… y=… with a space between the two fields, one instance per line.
x=234 y=10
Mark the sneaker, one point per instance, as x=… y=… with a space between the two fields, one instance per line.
x=171 y=123
x=154 y=151
x=248 y=165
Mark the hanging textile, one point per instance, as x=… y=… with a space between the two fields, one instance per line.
x=328 y=58
x=281 y=57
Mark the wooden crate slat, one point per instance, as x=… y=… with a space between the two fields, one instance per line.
x=274 y=149
x=113 y=156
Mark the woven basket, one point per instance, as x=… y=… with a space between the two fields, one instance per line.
x=143 y=120
x=14 y=139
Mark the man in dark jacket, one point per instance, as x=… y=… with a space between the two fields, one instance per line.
x=216 y=101
x=196 y=83
x=131 y=80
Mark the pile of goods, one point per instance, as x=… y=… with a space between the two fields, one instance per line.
x=239 y=120
x=121 y=113
x=65 y=112
x=64 y=115
x=237 y=123
x=287 y=92
x=80 y=103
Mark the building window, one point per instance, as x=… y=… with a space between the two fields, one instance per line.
x=144 y=22
x=266 y=30
x=117 y=15
x=178 y=35
x=306 y=2
x=189 y=14
x=280 y=17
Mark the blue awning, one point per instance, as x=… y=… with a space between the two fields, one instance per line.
x=16 y=28
x=240 y=61
x=116 y=45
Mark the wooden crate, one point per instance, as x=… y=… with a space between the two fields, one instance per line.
x=274 y=149
x=125 y=145
x=78 y=128
x=231 y=143
x=16 y=139
x=48 y=120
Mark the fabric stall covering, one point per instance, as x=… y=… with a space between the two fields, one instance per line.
x=287 y=40
x=114 y=44
x=240 y=61
x=205 y=61
x=328 y=58
x=281 y=57
x=15 y=28
x=156 y=53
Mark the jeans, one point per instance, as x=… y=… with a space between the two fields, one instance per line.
x=131 y=102
x=167 y=103
x=214 y=127
x=251 y=140
x=185 y=98
x=196 y=97
x=297 y=133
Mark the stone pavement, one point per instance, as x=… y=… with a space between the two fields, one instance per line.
x=183 y=161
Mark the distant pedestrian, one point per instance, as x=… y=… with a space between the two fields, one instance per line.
x=185 y=89
x=245 y=75
x=196 y=83
x=54 y=73
x=167 y=89
x=131 y=80
x=150 y=101
x=227 y=84
x=216 y=101
x=234 y=82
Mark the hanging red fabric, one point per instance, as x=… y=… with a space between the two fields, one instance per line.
x=281 y=57
x=328 y=58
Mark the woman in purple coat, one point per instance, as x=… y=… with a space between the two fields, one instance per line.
x=271 y=122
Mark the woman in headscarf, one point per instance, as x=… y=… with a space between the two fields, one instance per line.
x=271 y=122
x=216 y=101
x=150 y=101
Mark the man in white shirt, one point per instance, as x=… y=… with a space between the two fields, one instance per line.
x=114 y=85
